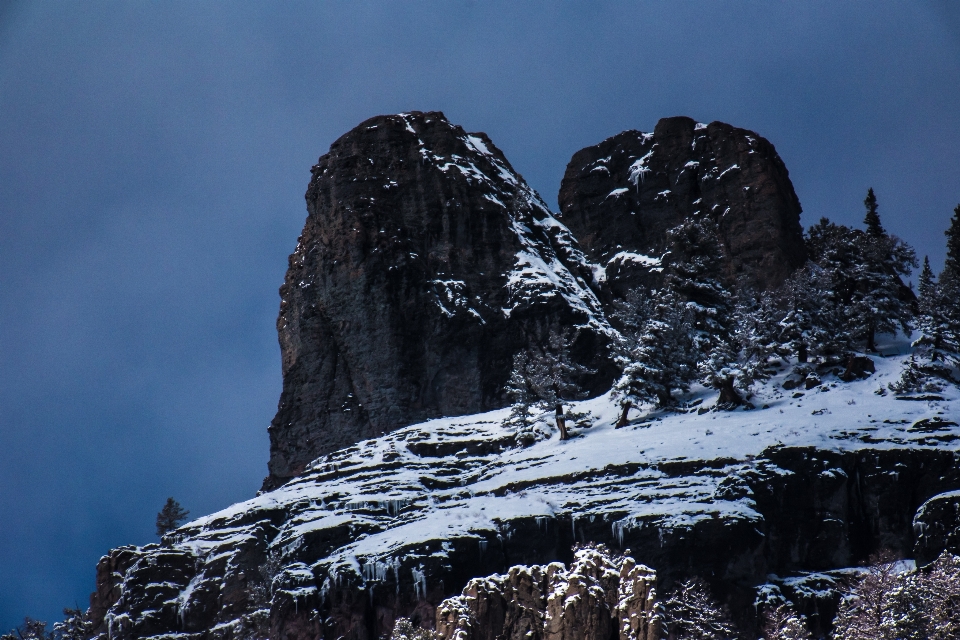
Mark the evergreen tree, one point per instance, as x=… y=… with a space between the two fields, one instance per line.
x=661 y=360
x=404 y=629
x=864 y=271
x=925 y=284
x=951 y=266
x=881 y=303
x=695 y=274
x=872 y=219
x=948 y=289
x=544 y=377
x=171 y=516
x=935 y=346
x=76 y=625
x=811 y=324
x=30 y=630
x=937 y=349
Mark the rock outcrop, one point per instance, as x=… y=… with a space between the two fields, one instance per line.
x=394 y=526
x=937 y=527
x=425 y=263
x=621 y=196
x=601 y=596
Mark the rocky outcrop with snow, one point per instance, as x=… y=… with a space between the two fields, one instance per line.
x=813 y=482
x=621 y=196
x=425 y=263
x=397 y=481
x=601 y=596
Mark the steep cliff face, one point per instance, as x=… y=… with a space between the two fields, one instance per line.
x=425 y=263
x=621 y=196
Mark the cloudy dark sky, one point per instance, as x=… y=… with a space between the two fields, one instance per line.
x=153 y=159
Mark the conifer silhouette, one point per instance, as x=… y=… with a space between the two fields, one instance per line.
x=170 y=517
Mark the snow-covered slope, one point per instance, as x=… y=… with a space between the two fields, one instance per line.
x=810 y=480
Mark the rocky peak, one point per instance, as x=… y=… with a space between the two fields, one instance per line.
x=424 y=264
x=621 y=196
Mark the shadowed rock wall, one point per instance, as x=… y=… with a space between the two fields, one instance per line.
x=623 y=194
x=425 y=263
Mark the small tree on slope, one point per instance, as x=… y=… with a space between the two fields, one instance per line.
x=784 y=623
x=947 y=302
x=864 y=270
x=662 y=358
x=880 y=304
x=695 y=274
x=544 y=377
x=935 y=347
x=171 y=516
x=691 y=613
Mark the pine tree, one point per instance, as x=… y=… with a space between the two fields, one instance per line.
x=935 y=347
x=864 y=270
x=872 y=219
x=662 y=358
x=30 y=630
x=695 y=274
x=835 y=250
x=76 y=625
x=171 y=516
x=546 y=377
x=951 y=266
x=925 y=284
x=811 y=325
x=404 y=629
x=949 y=289
x=881 y=304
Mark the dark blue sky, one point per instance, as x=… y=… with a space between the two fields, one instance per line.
x=153 y=159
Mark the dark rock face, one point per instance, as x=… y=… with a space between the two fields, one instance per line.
x=425 y=263
x=621 y=196
x=937 y=527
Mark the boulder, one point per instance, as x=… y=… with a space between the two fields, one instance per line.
x=936 y=527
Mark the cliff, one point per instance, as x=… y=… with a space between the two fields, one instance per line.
x=425 y=263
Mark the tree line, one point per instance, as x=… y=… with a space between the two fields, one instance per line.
x=701 y=326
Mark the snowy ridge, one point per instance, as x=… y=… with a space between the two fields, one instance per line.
x=395 y=518
x=463 y=478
